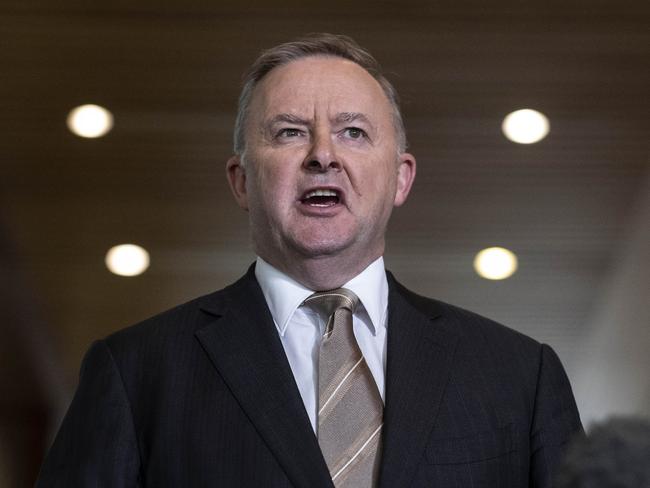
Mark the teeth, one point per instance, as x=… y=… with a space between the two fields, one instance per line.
x=321 y=193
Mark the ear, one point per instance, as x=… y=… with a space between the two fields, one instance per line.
x=236 y=175
x=405 y=176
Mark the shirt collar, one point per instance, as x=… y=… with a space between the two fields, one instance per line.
x=284 y=295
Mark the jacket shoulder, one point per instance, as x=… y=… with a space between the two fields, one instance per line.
x=466 y=324
x=176 y=324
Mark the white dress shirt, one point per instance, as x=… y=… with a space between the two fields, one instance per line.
x=301 y=328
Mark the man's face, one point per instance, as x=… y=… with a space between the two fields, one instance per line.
x=322 y=170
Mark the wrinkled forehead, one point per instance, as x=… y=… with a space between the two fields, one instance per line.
x=318 y=85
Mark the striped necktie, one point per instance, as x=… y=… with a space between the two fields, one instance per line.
x=350 y=409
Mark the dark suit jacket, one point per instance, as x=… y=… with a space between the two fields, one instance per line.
x=203 y=396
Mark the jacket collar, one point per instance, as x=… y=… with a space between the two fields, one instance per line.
x=243 y=345
x=421 y=348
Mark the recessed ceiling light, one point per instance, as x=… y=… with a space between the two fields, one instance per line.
x=495 y=263
x=127 y=260
x=525 y=126
x=90 y=121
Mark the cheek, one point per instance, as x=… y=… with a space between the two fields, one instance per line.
x=384 y=181
x=274 y=188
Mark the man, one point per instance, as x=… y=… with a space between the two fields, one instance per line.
x=266 y=383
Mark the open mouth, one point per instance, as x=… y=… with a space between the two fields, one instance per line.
x=321 y=198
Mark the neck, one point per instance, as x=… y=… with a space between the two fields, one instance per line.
x=323 y=272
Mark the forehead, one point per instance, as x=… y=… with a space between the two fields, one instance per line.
x=316 y=83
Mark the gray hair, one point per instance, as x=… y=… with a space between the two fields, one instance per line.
x=321 y=44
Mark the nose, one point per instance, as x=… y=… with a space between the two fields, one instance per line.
x=322 y=156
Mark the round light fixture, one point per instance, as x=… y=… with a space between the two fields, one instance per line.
x=495 y=263
x=90 y=121
x=127 y=260
x=525 y=126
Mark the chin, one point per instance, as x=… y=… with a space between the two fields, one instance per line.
x=315 y=248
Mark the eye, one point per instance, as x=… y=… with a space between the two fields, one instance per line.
x=354 y=133
x=289 y=132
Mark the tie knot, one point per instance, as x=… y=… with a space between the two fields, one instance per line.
x=330 y=301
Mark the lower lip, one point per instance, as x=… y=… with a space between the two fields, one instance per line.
x=320 y=211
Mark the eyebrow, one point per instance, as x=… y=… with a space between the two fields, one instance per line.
x=292 y=119
x=343 y=117
x=352 y=117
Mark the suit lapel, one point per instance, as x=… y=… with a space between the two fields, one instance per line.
x=243 y=344
x=419 y=358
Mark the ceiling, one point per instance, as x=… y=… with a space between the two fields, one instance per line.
x=170 y=72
